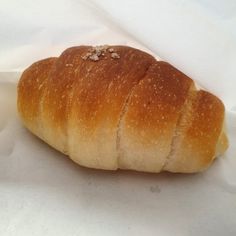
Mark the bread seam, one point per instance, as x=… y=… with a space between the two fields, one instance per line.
x=183 y=114
x=123 y=112
x=40 y=108
x=65 y=148
x=68 y=112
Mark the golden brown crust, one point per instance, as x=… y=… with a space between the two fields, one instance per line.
x=56 y=102
x=198 y=134
x=97 y=104
x=148 y=125
x=123 y=109
x=30 y=90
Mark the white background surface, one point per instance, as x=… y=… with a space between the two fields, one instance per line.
x=44 y=193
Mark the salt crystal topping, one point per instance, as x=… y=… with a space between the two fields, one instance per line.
x=97 y=52
x=94 y=57
x=111 y=49
x=115 y=55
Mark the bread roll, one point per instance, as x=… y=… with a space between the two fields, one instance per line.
x=111 y=107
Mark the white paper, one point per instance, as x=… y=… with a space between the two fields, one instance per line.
x=42 y=192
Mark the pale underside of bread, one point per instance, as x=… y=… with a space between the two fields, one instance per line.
x=132 y=112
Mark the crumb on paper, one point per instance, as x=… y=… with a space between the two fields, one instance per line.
x=155 y=189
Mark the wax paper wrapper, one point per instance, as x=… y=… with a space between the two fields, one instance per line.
x=42 y=192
